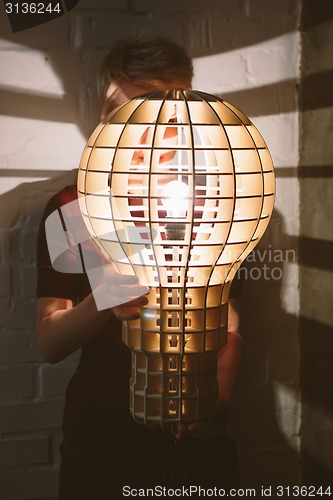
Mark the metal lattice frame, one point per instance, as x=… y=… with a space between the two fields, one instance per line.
x=189 y=256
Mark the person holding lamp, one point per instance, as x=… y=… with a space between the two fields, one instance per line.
x=97 y=426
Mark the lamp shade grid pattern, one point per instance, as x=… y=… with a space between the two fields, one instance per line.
x=177 y=187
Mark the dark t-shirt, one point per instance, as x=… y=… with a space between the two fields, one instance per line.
x=96 y=418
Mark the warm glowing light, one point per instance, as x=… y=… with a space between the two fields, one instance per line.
x=174 y=198
x=178 y=188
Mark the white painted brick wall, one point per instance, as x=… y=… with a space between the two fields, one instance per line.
x=54 y=379
x=16 y=383
x=40 y=78
x=263 y=63
x=24 y=451
x=318 y=45
x=31 y=416
x=37 y=482
x=236 y=46
x=93 y=28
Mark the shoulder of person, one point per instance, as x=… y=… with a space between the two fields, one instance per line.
x=62 y=197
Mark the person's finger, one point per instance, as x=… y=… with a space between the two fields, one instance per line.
x=181 y=432
x=119 y=279
x=126 y=313
x=130 y=310
x=136 y=290
x=199 y=430
x=130 y=290
x=137 y=302
x=124 y=303
x=126 y=294
x=203 y=430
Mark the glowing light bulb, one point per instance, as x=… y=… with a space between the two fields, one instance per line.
x=191 y=235
x=174 y=198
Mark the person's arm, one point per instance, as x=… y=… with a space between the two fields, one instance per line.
x=229 y=357
x=63 y=327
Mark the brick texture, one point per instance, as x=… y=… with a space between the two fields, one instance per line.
x=54 y=379
x=48 y=107
x=316 y=294
x=18 y=348
x=31 y=416
x=93 y=28
x=24 y=451
x=24 y=485
x=16 y=382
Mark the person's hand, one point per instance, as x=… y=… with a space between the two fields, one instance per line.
x=199 y=430
x=130 y=310
x=205 y=429
x=120 y=292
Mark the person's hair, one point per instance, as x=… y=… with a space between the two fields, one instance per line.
x=148 y=61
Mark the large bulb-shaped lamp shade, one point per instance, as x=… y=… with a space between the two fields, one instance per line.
x=177 y=187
